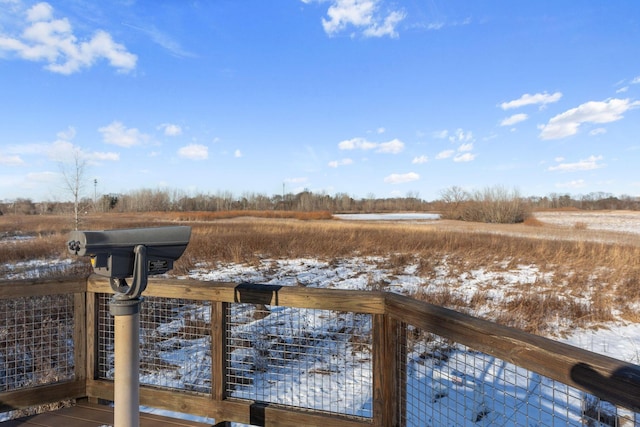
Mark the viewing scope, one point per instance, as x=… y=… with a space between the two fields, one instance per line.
x=134 y=252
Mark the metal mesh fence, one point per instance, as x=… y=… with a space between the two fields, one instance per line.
x=307 y=358
x=36 y=341
x=448 y=384
x=175 y=343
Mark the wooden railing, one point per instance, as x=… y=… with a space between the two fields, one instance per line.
x=400 y=333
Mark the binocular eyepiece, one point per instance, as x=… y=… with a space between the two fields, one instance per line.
x=135 y=252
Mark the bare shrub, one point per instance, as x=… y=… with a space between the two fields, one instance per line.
x=496 y=205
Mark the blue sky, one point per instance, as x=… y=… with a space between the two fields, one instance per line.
x=364 y=97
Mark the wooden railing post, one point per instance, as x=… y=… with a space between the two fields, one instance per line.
x=386 y=378
x=218 y=350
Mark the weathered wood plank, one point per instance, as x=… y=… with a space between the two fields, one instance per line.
x=610 y=379
x=41 y=287
x=40 y=395
x=91 y=415
x=290 y=296
x=171 y=400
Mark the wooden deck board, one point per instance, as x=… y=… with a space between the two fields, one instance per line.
x=93 y=415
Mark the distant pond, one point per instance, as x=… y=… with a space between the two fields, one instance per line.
x=389 y=217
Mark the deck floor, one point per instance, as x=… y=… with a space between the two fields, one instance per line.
x=92 y=415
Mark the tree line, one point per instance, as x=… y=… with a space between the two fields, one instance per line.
x=454 y=202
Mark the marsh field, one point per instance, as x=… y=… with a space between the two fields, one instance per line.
x=556 y=272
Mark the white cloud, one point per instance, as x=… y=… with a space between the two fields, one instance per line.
x=578 y=183
x=420 y=160
x=387 y=27
x=568 y=123
x=364 y=15
x=636 y=80
x=68 y=134
x=194 y=152
x=63 y=151
x=394 y=146
x=528 y=99
x=117 y=134
x=396 y=178
x=465 y=147
x=237 y=154
x=49 y=40
x=445 y=154
x=10 y=160
x=512 y=120
x=356 y=143
x=461 y=136
x=110 y=156
x=441 y=134
x=586 y=164
x=466 y=157
x=380 y=130
x=170 y=129
x=598 y=131
x=341 y=162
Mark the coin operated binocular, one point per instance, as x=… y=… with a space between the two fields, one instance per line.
x=135 y=252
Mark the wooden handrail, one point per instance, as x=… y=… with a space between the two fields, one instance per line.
x=610 y=379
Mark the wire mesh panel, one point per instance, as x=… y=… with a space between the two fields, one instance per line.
x=448 y=384
x=307 y=358
x=36 y=341
x=175 y=343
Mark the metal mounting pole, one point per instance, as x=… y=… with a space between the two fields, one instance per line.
x=127 y=365
x=125 y=307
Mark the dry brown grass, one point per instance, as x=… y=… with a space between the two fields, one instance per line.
x=593 y=277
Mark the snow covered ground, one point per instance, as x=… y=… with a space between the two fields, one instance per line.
x=620 y=221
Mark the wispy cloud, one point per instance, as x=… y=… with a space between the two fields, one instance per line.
x=514 y=119
x=341 y=162
x=445 y=154
x=575 y=184
x=118 y=134
x=460 y=135
x=394 y=146
x=365 y=16
x=441 y=24
x=568 y=123
x=52 y=41
x=528 y=99
x=10 y=160
x=194 y=152
x=420 y=160
x=590 y=163
x=164 y=40
x=64 y=151
x=396 y=178
x=170 y=129
x=465 y=157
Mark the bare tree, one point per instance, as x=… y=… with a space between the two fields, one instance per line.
x=454 y=199
x=73 y=174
